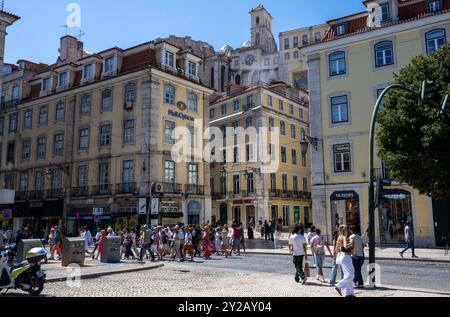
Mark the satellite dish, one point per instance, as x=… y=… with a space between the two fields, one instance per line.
x=226 y=50
x=246 y=44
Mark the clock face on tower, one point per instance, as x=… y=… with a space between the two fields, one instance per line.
x=249 y=59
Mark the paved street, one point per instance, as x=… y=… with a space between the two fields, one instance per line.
x=251 y=276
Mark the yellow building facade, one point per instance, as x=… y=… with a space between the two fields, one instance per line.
x=242 y=188
x=348 y=69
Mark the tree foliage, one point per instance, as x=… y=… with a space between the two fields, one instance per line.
x=412 y=138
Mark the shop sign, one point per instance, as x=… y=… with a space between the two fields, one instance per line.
x=395 y=196
x=6 y=214
x=97 y=211
x=155 y=206
x=344 y=195
x=142 y=206
x=180 y=115
x=170 y=207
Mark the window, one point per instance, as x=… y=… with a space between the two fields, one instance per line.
x=223 y=184
x=169 y=59
x=434 y=5
x=272 y=152
x=282 y=128
x=11 y=153
x=337 y=64
x=46 y=84
x=2 y=125
x=283 y=155
x=192 y=102
x=340 y=29
x=107 y=99
x=296 y=55
x=236 y=184
x=27 y=120
x=84 y=139
x=286 y=44
x=248 y=122
x=82 y=176
x=169 y=172
x=130 y=93
x=193 y=133
x=39 y=181
x=249 y=153
x=250 y=183
x=281 y=105
x=273 y=182
x=266 y=61
x=103 y=176
x=60 y=111
x=295 y=184
x=128 y=131
x=9 y=181
x=85 y=107
x=435 y=40
x=384 y=54
x=26 y=149
x=128 y=172
x=41 y=147
x=169 y=94
x=284 y=183
x=23 y=182
x=109 y=64
x=250 y=103
x=291 y=109
x=339 y=109
x=235 y=125
x=271 y=124
x=305 y=39
x=301 y=114
x=317 y=36
x=341 y=153
x=302 y=134
x=193 y=174
x=192 y=69
x=236 y=106
x=270 y=101
x=287 y=56
x=169 y=132
x=236 y=154
x=43 y=116
x=15 y=94
x=105 y=135
x=58 y=144
x=286 y=216
x=296 y=41
x=13 y=122
x=385 y=12
x=303 y=160
x=88 y=71
x=293 y=131
x=294 y=157
x=223 y=109
x=62 y=79
x=305 y=184
x=212 y=113
x=56 y=179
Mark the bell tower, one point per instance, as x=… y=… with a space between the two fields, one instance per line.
x=261 y=29
x=6 y=20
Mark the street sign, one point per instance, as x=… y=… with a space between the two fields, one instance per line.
x=142 y=206
x=155 y=206
x=97 y=211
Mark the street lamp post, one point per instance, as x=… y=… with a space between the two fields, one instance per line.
x=422 y=97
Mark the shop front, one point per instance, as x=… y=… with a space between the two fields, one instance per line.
x=194 y=211
x=395 y=211
x=171 y=212
x=345 y=209
x=127 y=215
x=92 y=216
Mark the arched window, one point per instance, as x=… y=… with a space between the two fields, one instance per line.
x=384 y=54
x=169 y=91
x=238 y=79
x=192 y=102
x=435 y=39
x=130 y=93
x=337 y=64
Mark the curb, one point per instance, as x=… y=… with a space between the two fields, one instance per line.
x=378 y=258
x=100 y=274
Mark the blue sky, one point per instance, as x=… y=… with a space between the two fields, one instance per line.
x=107 y=23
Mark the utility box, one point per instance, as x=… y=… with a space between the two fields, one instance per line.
x=73 y=251
x=24 y=246
x=110 y=250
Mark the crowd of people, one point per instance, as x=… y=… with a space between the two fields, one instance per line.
x=347 y=255
x=170 y=242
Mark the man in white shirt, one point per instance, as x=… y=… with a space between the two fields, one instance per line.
x=111 y=232
x=87 y=236
x=298 y=243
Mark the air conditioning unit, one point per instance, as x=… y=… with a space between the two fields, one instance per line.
x=180 y=71
x=128 y=106
x=159 y=188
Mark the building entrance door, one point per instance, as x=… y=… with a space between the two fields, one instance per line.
x=441 y=214
x=224 y=214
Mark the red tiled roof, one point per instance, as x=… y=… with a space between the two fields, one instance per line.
x=138 y=60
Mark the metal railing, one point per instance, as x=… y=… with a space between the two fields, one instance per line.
x=172 y=188
x=194 y=189
x=55 y=193
x=80 y=191
x=8 y=105
x=126 y=188
x=102 y=190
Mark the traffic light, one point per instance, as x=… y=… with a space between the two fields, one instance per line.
x=381 y=183
x=427 y=91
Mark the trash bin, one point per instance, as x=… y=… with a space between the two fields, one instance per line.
x=110 y=250
x=73 y=251
x=24 y=246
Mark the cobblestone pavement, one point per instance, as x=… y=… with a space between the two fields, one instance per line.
x=244 y=276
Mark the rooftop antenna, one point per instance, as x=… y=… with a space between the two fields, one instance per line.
x=80 y=34
x=66 y=27
x=2 y=5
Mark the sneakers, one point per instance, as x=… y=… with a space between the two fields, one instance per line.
x=338 y=290
x=304 y=281
x=415 y=257
x=297 y=280
x=401 y=254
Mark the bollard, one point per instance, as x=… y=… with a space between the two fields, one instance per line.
x=24 y=246
x=73 y=251
x=110 y=250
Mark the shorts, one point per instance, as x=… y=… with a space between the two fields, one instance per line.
x=320 y=259
x=236 y=242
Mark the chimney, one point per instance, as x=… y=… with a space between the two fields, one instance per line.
x=70 y=50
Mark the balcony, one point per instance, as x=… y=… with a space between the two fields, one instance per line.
x=102 y=190
x=172 y=188
x=219 y=196
x=248 y=107
x=194 y=190
x=8 y=105
x=22 y=195
x=248 y=194
x=55 y=193
x=36 y=195
x=80 y=191
x=126 y=188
